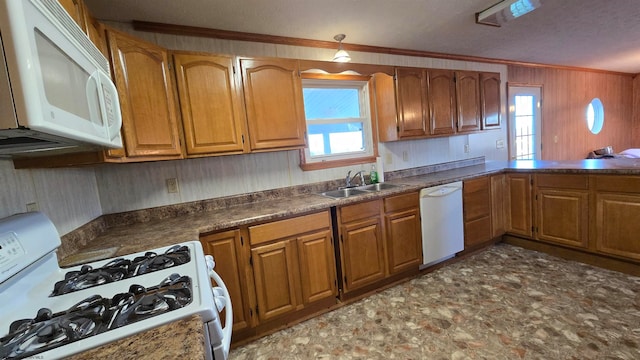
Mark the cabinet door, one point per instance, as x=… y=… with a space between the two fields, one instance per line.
x=617 y=225
x=468 y=100
x=274 y=269
x=363 y=253
x=490 y=100
x=210 y=104
x=75 y=8
x=149 y=114
x=317 y=266
x=275 y=109
x=413 y=108
x=224 y=247
x=386 y=110
x=562 y=216
x=519 y=204
x=442 y=102
x=498 y=206
x=476 y=204
x=404 y=240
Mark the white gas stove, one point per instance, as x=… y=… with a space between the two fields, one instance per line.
x=49 y=313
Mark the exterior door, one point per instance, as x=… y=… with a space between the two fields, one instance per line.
x=525 y=122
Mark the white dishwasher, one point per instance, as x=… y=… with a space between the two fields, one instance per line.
x=442 y=222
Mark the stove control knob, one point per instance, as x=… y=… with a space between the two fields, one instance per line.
x=85 y=269
x=211 y=264
x=43 y=314
x=137 y=289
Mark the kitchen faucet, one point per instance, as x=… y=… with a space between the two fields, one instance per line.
x=349 y=179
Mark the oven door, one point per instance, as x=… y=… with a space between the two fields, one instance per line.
x=219 y=337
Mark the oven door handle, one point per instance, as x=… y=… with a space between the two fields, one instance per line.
x=220 y=293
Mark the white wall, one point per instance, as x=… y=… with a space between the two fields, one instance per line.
x=69 y=197
x=138 y=186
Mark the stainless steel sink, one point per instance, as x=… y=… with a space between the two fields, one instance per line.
x=343 y=193
x=377 y=187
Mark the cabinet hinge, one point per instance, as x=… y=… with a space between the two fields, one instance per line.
x=398 y=128
x=251 y=260
x=533 y=229
x=243 y=138
x=233 y=68
x=257 y=311
x=395 y=77
x=242 y=240
x=345 y=279
x=536 y=196
x=250 y=312
x=341 y=238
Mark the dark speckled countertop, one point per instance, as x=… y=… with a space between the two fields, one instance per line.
x=117 y=240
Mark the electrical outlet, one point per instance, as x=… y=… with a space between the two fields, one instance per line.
x=405 y=156
x=32 y=207
x=388 y=159
x=499 y=144
x=172 y=185
x=466 y=148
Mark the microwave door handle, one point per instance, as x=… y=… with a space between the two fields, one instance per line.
x=103 y=80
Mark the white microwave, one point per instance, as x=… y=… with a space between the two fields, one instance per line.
x=55 y=87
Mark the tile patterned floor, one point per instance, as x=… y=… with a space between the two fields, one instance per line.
x=504 y=303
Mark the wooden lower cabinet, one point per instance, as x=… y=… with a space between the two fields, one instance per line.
x=373 y=250
x=362 y=250
x=562 y=209
x=498 y=204
x=476 y=204
x=226 y=249
x=518 y=219
x=403 y=232
x=293 y=264
x=616 y=214
x=275 y=270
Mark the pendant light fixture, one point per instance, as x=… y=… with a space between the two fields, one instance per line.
x=341 y=55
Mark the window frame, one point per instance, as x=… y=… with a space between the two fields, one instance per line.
x=332 y=161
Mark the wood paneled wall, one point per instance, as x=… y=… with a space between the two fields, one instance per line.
x=566 y=94
x=635 y=142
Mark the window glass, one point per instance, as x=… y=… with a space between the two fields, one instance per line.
x=338 y=120
x=595 y=116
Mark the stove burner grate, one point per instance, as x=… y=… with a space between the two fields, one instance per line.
x=121 y=268
x=92 y=316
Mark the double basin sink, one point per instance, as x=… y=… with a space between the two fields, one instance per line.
x=358 y=190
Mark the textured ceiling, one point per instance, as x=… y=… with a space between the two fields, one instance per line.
x=598 y=34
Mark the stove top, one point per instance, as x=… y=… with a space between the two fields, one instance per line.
x=121 y=268
x=93 y=315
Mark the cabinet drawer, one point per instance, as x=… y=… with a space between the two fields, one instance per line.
x=401 y=202
x=579 y=182
x=360 y=211
x=476 y=197
x=617 y=183
x=280 y=229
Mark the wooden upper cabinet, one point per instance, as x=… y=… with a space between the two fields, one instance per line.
x=411 y=86
x=468 y=100
x=385 y=106
x=490 y=100
x=442 y=102
x=210 y=104
x=75 y=8
x=149 y=114
x=274 y=103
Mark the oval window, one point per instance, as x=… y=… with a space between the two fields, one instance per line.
x=595 y=116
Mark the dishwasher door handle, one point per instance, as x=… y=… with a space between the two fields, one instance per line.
x=442 y=191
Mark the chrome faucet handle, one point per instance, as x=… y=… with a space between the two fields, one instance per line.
x=362 y=178
x=348 y=179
